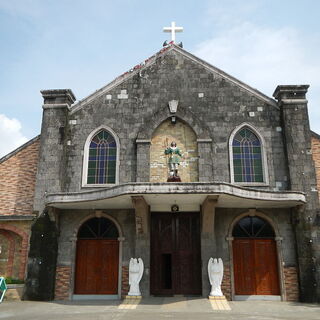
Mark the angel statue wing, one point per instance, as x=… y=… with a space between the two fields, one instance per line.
x=209 y=270
x=141 y=268
x=131 y=266
x=220 y=263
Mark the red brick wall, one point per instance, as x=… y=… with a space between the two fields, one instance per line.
x=63 y=282
x=23 y=246
x=17 y=181
x=125 y=281
x=291 y=283
x=315 y=144
x=226 y=283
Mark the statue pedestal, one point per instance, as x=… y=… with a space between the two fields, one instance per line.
x=132 y=297
x=217 y=298
x=174 y=179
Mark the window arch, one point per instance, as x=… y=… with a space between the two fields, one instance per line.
x=247 y=159
x=101 y=156
x=253 y=227
x=98 y=228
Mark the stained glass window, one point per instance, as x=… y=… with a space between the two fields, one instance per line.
x=253 y=227
x=102 y=159
x=247 y=157
x=98 y=228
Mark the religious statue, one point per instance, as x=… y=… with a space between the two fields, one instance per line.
x=174 y=161
x=215 y=271
x=135 y=274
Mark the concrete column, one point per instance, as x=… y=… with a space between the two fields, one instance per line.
x=143 y=160
x=142 y=242
x=296 y=130
x=208 y=242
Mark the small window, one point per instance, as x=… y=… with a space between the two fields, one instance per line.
x=247 y=157
x=102 y=159
x=98 y=228
x=253 y=227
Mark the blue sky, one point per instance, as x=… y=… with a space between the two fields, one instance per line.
x=82 y=45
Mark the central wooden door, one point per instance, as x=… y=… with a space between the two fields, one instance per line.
x=97 y=267
x=255 y=267
x=175 y=253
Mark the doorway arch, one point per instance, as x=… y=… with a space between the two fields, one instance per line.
x=255 y=257
x=97 y=257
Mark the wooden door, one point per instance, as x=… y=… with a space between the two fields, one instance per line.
x=255 y=267
x=175 y=253
x=97 y=267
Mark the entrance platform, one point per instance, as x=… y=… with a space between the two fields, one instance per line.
x=154 y=308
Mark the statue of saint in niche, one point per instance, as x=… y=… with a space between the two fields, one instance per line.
x=174 y=156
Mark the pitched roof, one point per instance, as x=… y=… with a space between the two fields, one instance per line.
x=151 y=60
x=315 y=135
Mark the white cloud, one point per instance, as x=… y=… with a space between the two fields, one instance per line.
x=10 y=135
x=266 y=57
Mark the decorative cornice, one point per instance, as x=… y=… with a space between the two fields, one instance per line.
x=143 y=141
x=140 y=188
x=55 y=106
x=293 y=101
x=16 y=217
x=204 y=140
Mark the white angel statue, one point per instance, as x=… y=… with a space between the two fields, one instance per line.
x=135 y=274
x=215 y=271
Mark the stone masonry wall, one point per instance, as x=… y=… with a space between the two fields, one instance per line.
x=212 y=105
x=315 y=145
x=186 y=141
x=17 y=180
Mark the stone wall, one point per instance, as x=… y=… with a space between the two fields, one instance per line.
x=209 y=103
x=315 y=145
x=186 y=141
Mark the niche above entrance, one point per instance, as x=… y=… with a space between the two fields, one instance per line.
x=186 y=141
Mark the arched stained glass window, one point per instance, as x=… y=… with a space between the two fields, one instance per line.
x=98 y=228
x=253 y=227
x=102 y=159
x=247 y=157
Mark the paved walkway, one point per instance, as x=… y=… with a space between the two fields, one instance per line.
x=158 y=308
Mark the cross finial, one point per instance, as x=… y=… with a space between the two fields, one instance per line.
x=173 y=29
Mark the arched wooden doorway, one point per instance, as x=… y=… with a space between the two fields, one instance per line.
x=97 y=260
x=255 y=257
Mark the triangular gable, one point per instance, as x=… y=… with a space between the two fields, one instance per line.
x=148 y=62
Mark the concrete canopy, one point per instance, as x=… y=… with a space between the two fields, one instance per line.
x=189 y=197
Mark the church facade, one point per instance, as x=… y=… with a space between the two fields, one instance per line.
x=105 y=191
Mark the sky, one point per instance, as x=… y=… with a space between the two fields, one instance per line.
x=83 y=45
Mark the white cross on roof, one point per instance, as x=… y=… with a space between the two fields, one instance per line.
x=173 y=29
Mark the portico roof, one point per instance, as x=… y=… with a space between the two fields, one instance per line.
x=189 y=197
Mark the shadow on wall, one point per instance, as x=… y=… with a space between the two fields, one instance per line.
x=42 y=260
